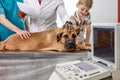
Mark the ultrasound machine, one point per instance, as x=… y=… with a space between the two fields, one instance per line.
x=104 y=58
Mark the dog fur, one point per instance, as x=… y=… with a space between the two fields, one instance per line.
x=59 y=39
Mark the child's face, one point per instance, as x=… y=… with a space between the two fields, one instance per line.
x=82 y=9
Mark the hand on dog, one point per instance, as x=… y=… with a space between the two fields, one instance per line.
x=23 y=34
x=68 y=26
x=87 y=44
x=21 y=14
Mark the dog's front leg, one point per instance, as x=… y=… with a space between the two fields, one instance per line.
x=51 y=49
x=48 y=49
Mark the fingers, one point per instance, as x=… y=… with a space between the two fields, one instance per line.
x=24 y=34
x=68 y=26
x=87 y=44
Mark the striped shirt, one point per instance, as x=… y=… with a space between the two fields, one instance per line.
x=80 y=23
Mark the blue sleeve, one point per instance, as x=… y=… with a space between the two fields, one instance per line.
x=20 y=0
x=1 y=9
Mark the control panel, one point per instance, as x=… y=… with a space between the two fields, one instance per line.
x=78 y=70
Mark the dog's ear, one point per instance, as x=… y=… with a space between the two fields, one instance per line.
x=77 y=30
x=59 y=36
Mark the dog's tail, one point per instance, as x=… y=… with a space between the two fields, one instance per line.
x=2 y=46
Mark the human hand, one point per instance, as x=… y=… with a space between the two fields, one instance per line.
x=21 y=14
x=23 y=34
x=87 y=44
x=68 y=26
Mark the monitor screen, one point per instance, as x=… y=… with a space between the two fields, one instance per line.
x=103 y=41
x=86 y=66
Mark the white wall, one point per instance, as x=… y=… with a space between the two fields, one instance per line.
x=102 y=10
x=105 y=11
x=70 y=6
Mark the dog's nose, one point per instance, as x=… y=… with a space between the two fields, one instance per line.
x=70 y=44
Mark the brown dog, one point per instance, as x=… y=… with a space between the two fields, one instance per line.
x=59 y=39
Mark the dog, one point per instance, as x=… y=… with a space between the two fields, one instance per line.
x=58 y=39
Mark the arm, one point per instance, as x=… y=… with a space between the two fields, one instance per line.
x=88 y=32
x=62 y=12
x=88 y=29
x=23 y=33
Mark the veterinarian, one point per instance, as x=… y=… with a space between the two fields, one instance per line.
x=10 y=23
x=48 y=15
x=82 y=19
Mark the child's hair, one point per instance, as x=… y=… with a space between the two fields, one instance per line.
x=88 y=3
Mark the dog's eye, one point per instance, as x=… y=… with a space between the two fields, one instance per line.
x=65 y=36
x=73 y=36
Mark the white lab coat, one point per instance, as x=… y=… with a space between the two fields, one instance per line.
x=47 y=15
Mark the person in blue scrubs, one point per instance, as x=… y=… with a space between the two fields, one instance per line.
x=10 y=23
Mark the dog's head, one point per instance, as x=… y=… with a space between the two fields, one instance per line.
x=68 y=36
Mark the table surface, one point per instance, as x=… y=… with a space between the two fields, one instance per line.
x=39 y=54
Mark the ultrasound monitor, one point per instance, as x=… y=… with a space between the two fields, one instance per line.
x=106 y=43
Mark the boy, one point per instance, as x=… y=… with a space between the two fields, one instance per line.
x=81 y=19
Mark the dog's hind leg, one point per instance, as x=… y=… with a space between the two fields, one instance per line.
x=2 y=46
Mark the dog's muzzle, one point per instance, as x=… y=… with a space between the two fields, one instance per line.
x=70 y=44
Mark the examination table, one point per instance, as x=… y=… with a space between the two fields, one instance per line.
x=33 y=65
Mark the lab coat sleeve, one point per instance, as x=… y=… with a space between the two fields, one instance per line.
x=62 y=12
